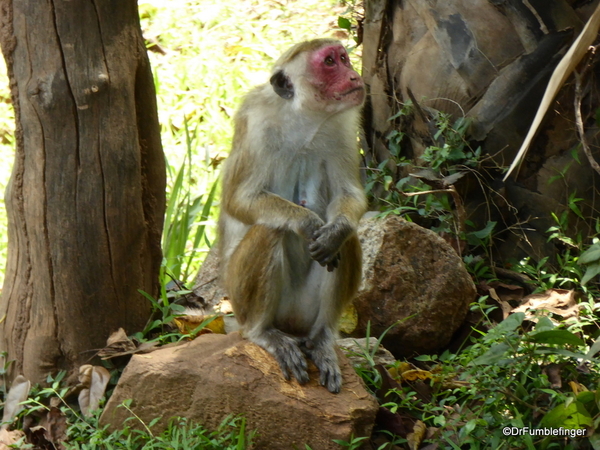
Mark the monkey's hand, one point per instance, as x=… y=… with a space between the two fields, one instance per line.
x=327 y=241
x=310 y=224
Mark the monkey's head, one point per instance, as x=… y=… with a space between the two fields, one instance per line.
x=318 y=75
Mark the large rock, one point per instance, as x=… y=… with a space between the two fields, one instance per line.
x=412 y=275
x=216 y=375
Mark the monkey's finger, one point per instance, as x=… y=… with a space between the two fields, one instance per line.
x=291 y=361
x=330 y=375
x=334 y=263
x=285 y=372
x=305 y=344
x=319 y=252
x=331 y=378
x=324 y=256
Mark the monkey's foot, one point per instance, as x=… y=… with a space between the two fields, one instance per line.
x=287 y=353
x=326 y=361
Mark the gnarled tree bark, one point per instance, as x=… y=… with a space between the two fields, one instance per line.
x=488 y=61
x=86 y=198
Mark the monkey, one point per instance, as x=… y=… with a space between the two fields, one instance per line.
x=291 y=201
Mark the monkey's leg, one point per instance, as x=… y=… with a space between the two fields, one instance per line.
x=254 y=278
x=337 y=290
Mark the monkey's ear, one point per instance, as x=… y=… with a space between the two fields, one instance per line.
x=282 y=85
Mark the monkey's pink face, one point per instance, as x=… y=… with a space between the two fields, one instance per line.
x=333 y=76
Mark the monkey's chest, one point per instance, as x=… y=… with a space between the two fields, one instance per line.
x=303 y=182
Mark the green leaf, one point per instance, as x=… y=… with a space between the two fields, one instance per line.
x=595 y=441
x=387 y=181
x=485 y=232
x=544 y=324
x=573 y=416
x=344 y=23
x=493 y=355
x=556 y=337
x=560 y=351
x=585 y=397
x=595 y=348
x=591 y=271
x=592 y=254
x=511 y=323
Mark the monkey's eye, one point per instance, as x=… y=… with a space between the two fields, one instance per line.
x=329 y=61
x=343 y=58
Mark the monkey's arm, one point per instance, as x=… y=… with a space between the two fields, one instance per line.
x=343 y=214
x=246 y=199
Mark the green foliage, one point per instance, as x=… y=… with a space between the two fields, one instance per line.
x=453 y=147
x=501 y=380
x=186 y=218
x=591 y=260
x=421 y=193
x=85 y=433
x=350 y=20
x=353 y=444
x=371 y=377
x=179 y=435
x=573 y=268
x=40 y=397
x=159 y=326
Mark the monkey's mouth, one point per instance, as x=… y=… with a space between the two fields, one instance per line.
x=353 y=90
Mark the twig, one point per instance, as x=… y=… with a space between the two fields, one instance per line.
x=461 y=214
x=579 y=122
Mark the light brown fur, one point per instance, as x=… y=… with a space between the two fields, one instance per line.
x=291 y=259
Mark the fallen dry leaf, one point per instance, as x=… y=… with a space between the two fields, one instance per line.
x=561 y=302
x=577 y=388
x=9 y=438
x=415 y=438
x=50 y=433
x=396 y=423
x=118 y=344
x=408 y=372
x=119 y=338
x=18 y=393
x=567 y=64
x=94 y=380
x=416 y=374
x=224 y=306
x=388 y=382
x=187 y=324
x=55 y=424
x=552 y=371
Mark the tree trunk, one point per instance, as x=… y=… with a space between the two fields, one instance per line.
x=87 y=193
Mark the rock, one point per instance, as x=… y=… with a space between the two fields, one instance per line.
x=216 y=375
x=412 y=275
x=355 y=348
